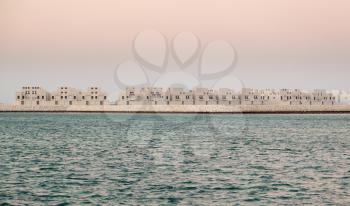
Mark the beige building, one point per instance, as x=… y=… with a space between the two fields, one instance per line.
x=63 y=96
x=204 y=96
x=66 y=96
x=32 y=95
x=94 y=96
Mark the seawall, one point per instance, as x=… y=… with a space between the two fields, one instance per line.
x=183 y=108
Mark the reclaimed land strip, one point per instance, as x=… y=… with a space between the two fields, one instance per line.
x=183 y=108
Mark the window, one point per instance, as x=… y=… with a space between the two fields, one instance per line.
x=75 y=97
x=70 y=102
x=92 y=97
x=53 y=97
x=56 y=102
x=87 y=102
x=95 y=97
x=122 y=97
x=65 y=97
x=83 y=97
x=105 y=97
x=18 y=97
x=38 y=97
x=22 y=102
x=101 y=102
x=42 y=97
x=37 y=102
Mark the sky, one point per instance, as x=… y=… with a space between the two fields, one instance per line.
x=279 y=43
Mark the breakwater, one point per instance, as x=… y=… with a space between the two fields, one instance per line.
x=183 y=108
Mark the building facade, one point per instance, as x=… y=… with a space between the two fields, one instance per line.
x=32 y=95
x=204 y=96
x=66 y=96
x=63 y=96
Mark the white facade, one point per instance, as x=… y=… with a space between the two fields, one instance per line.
x=66 y=96
x=63 y=96
x=204 y=96
x=31 y=96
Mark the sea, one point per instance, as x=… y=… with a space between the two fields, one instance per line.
x=174 y=159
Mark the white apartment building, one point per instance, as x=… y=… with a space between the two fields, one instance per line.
x=66 y=96
x=32 y=95
x=94 y=96
x=63 y=96
x=204 y=96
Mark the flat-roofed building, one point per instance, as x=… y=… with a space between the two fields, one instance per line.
x=179 y=96
x=142 y=96
x=94 y=96
x=64 y=96
x=32 y=95
x=322 y=97
x=341 y=96
x=200 y=96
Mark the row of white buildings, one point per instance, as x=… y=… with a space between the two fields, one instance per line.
x=65 y=96
x=204 y=96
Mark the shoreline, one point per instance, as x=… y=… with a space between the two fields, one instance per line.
x=184 y=109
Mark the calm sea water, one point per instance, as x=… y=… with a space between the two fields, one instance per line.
x=174 y=159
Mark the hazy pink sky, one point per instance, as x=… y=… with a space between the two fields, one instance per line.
x=280 y=43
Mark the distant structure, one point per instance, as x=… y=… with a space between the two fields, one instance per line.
x=63 y=96
x=204 y=96
x=66 y=96
x=341 y=96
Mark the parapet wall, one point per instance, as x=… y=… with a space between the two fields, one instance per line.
x=183 y=108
